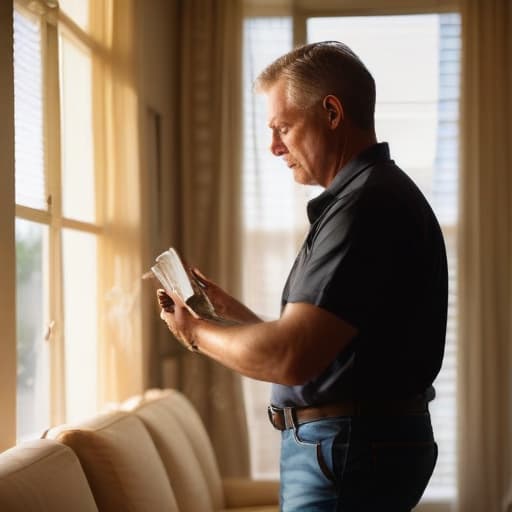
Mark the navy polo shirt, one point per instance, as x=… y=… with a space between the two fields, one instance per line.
x=375 y=257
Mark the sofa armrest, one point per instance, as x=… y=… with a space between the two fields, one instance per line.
x=244 y=492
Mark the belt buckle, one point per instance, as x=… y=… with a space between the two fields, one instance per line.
x=271 y=411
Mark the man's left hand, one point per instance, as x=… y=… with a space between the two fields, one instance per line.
x=178 y=318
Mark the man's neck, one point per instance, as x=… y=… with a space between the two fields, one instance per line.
x=357 y=143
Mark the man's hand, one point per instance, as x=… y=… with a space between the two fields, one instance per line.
x=225 y=305
x=178 y=318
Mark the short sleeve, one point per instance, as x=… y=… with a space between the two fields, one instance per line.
x=345 y=266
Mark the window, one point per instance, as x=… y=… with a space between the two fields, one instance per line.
x=57 y=221
x=269 y=227
x=416 y=67
x=31 y=236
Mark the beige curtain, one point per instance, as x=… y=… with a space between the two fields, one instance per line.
x=210 y=183
x=485 y=369
x=122 y=337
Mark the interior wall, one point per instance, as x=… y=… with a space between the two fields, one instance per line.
x=157 y=34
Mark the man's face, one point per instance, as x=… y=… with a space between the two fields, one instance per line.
x=300 y=136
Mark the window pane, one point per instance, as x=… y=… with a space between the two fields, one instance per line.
x=271 y=208
x=273 y=222
x=77 y=10
x=272 y=205
x=33 y=404
x=28 y=113
x=78 y=192
x=80 y=330
x=416 y=69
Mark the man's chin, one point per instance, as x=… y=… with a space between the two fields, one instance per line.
x=302 y=177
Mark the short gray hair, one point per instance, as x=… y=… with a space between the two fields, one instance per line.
x=315 y=70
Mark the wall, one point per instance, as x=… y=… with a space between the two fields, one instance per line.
x=158 y=64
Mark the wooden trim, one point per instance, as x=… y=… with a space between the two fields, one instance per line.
x=312 y=8
x=33 y=214
x=7 y=234
x=81 y=226
x=44 y=217
x=68 y=28
x=373 y=7
x=53 y=172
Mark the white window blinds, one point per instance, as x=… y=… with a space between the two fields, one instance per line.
x=28 y=98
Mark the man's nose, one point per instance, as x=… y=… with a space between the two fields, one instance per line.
x=277 y=147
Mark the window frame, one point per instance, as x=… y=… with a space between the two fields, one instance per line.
x=7 y=243
x=54 y=25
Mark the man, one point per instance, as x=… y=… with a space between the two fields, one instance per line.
x=362 y=330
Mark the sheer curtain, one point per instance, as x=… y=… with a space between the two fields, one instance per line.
x=122 y=338
x=210 y=184
x=485 y=254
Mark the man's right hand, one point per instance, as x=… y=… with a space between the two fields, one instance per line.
x=225 y=305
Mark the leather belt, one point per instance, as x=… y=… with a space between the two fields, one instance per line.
x=290 y=417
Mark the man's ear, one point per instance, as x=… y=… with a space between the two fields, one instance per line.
x=334 y=109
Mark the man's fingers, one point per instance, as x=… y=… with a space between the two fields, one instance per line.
x=181 y=309
x=165 y=301
x=168 y=306
x=201 y=277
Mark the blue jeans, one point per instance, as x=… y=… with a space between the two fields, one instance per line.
x=362 y=464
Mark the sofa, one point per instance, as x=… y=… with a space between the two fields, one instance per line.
x=151 y=454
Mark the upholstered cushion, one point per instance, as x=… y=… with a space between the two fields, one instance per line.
x=121 y=463
x=244 y=492
x=43 y=476
x=186 y=450
x=181 y=462
x=192 y=426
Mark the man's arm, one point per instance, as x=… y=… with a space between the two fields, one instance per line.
x=289 y=351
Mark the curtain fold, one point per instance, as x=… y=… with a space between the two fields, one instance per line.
x=210 y=170
x=122 y=337
x=485 y=366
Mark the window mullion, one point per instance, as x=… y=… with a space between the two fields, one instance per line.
x=300 y=30
x=53 y=170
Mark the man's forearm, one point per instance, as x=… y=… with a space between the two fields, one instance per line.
x=291 y=350
x=241 y=313
x=256 y=350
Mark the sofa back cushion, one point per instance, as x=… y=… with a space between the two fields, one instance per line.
x=43 y=476
x=193 y=438
x=183 y=467
x=121 y=463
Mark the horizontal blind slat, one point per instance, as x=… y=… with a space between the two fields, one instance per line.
x=30 y=183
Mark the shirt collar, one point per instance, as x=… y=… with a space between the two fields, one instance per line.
x=375 y=153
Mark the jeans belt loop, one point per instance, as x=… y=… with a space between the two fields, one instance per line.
x=289 y=419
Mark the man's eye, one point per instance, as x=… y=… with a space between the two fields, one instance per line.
x=283 y=131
